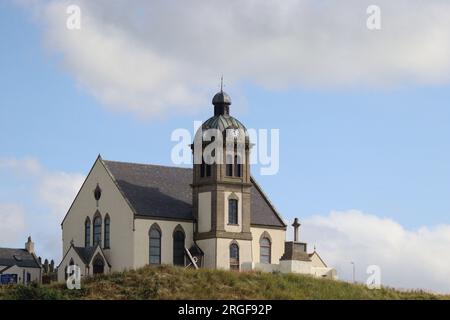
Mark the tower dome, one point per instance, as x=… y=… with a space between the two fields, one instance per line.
x=221 y=98
x=222 y=120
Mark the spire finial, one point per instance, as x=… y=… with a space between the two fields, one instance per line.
x=221 y=83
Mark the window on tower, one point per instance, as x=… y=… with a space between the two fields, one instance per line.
x=229 y=166
x=202 y=169
x=237 y=167
x=234 y=256
x=232 y=211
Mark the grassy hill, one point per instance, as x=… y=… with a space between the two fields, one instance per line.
x=166 y=282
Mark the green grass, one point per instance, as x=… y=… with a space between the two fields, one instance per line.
x=165 y=282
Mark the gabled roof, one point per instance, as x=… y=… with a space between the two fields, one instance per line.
x=316 y=254
x=86 y=254
x=165 y=192
x=17 y=257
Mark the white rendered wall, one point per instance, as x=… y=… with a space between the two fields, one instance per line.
x=142 y=242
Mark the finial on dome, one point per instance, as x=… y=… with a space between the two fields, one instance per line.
x=221 y=101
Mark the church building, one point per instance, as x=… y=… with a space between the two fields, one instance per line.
x=213 y=215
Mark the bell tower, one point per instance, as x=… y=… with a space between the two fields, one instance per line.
x=221 y=188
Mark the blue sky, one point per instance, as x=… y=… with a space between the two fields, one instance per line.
x=381 y=150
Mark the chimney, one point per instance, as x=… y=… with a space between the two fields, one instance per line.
x=29 y=246
x=296 y=225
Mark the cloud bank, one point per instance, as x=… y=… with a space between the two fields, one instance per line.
x=160 y=57
x=12 y=224
x=39 y=200
x=408 y=258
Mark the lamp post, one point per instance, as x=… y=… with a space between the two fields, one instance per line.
x=353 y=264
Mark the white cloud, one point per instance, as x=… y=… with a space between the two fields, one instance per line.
x=58 y=189
x=55 y=189
x=408 y=258
x=157 y=57
x=49 y=195
x=12 y=223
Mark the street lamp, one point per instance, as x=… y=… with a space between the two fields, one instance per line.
x=353 y=264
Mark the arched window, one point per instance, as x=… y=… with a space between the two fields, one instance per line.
x=178 y=246
x=98 y=265
x=234 y=256
x=107 y=232
x=265 y=250
x=155 y=244
x=98 y=230
x=232 y=211
x=87 y=232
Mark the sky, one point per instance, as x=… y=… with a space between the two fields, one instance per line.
x=363 y=114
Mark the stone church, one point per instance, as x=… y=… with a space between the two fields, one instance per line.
x=129 y=215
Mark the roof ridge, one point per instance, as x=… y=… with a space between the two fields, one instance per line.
x=147 y=164
x=14 y=249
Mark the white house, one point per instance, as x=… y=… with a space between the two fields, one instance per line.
x=20 y=265
x=129 y=215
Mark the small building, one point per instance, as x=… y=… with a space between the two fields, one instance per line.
x=20 y=265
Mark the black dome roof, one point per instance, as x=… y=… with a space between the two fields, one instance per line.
x=221 y=98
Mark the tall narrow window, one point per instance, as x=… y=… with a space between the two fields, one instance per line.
x=232 y=211
x=87 y=232
x=107 y=232
x=237 y=167
x=229 y=166
x=234 y=256
x=208 y=170
x=202 y=169
x=265 y=250
x=155 y=245
x=98 y=230
x=178 y=248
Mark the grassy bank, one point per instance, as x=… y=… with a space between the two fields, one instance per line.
x=166 y=282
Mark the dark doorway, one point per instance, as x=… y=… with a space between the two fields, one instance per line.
x=98 y=265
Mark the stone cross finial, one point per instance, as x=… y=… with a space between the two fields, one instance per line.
x=296 y=225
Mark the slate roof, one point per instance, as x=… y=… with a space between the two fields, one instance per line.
x=85 y=253
x=161 y=191
x=17 y=257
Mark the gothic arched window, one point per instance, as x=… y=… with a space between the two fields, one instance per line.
x=265 y=250
x=87 y=232
x=98 y=230
x=107 y=232
x=155 y=245
x=232 y=211
x=178 y=246
x=234 y=256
